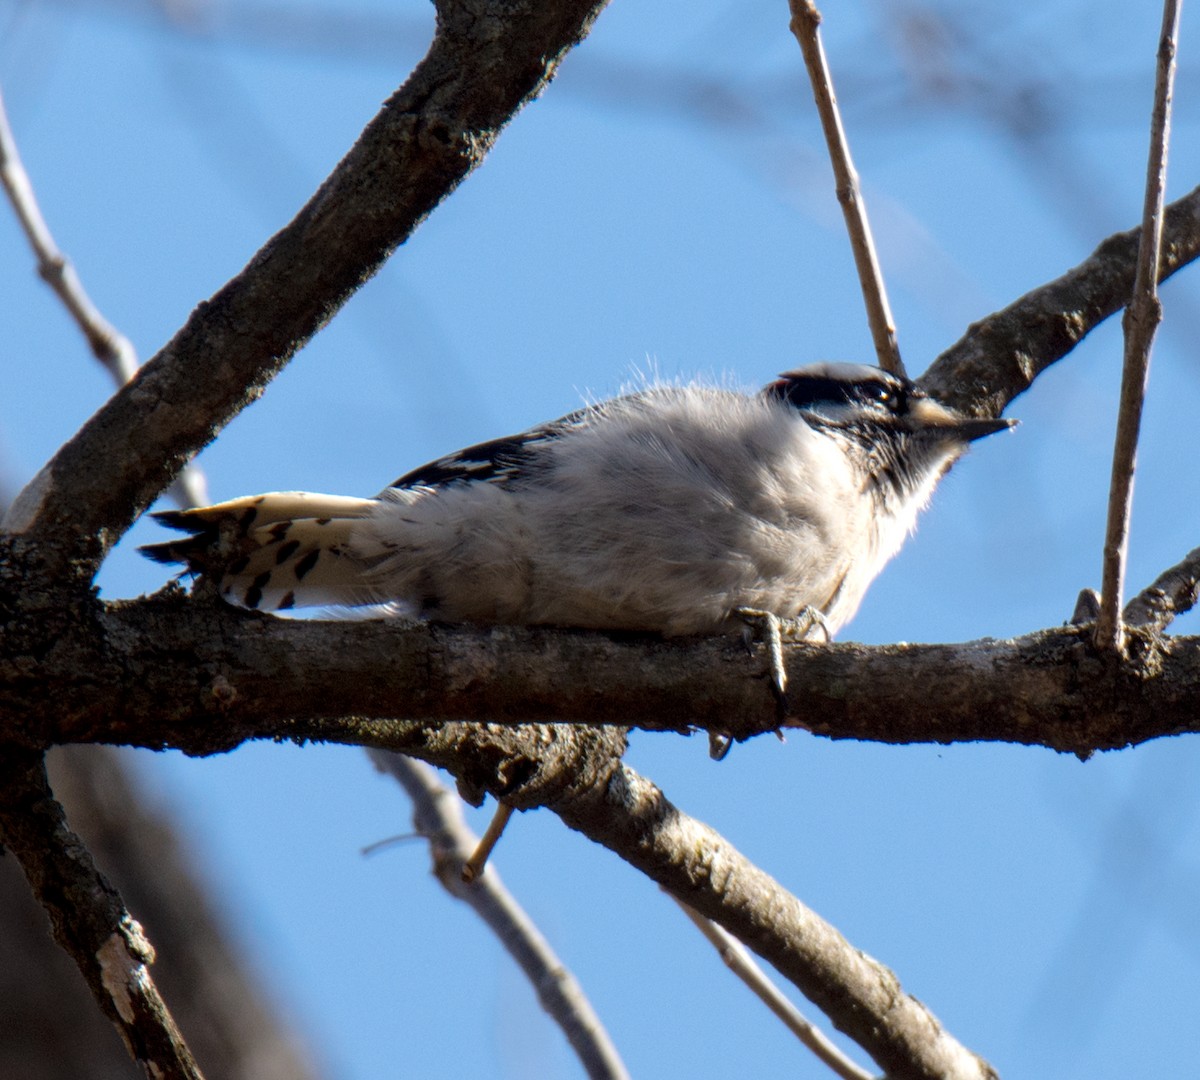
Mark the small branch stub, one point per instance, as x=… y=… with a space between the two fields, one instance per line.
x=475 y=865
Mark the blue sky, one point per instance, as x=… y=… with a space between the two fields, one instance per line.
x=665 y=204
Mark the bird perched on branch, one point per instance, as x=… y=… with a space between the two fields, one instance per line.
x=676 y=508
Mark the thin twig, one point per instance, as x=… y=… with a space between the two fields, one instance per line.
x=805 y=24
x=1172 y=593
x=738 y=959
x=112 y=348
x=1140 y=324
x=89 y=918
x=437 y=815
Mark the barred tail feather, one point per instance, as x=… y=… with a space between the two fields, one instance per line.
x=275 y=551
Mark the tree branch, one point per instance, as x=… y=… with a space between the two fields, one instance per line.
x=1140 y=325
x=738 y=959
x=1000 y=357
x=230 y=1023
x=697 y=866
x=112 y=348
x=1170 y=594
x=166 y=672
x=438 y=818
x=481 y=68
x=88 y=918
x=805 y=27
x=614 y=806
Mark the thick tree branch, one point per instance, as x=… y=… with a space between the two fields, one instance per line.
x=229 y=1019
x=614 y=806
x=200 y=678
x=169 y=673
x=1000 y=357
x=88 y=918
x=485 y=62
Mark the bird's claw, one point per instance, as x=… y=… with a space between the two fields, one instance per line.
x=719 y=745
x=771 y=630
x=765 y=626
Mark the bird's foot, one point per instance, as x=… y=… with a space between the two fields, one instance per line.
x=770 y=629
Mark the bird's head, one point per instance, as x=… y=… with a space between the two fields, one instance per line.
x=869 y=403
x=897 y=435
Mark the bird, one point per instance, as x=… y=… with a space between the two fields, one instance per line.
x=676 y=508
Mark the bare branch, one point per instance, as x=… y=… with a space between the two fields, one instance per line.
x=697 y=866
x=1141 y=323
x=438 y=817
x=614 y=806
x=1172 y=593
x=738 y=959
x=480 y=69
x=89 y=919
x=1000 y=357
x=805 y=25
x=112 y=348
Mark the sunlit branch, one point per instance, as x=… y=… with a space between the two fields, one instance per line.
x=112 y=348
x=738 y=959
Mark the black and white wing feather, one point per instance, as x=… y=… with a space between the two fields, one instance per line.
x=496 y=461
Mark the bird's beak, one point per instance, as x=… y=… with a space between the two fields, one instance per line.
x=928 y=413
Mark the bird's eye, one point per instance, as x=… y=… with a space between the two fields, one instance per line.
x=877 y=392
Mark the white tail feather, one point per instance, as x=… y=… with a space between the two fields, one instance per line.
x=274 y=551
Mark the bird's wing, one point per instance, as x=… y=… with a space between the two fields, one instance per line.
x=498 y=460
